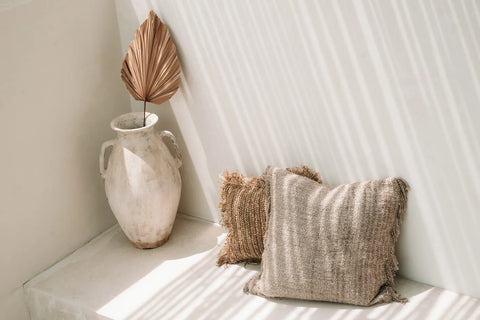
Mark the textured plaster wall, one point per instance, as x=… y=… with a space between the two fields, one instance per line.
x=355 y=89
x=59 y=88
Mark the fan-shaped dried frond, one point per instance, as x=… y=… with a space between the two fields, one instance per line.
x=151 y=70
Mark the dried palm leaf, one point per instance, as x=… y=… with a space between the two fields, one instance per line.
x=151 y=70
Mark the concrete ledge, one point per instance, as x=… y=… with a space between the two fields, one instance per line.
x=110 y=279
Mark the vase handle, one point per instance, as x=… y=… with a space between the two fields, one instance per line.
x=173 y=140
x=105 y=145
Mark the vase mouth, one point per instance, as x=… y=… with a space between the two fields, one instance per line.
x=133 y=121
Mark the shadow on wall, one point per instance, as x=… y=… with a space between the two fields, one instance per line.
x=358 y=91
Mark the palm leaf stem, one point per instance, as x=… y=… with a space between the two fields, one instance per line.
x=144 y=112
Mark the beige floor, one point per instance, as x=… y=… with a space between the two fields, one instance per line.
x=109 y=279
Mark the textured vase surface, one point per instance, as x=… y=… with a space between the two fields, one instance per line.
x=142 y=180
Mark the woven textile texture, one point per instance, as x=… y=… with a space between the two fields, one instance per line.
x=244 y=206
x=329 y=243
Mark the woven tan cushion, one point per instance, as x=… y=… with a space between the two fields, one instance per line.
x=331 y=243
x=244 y=206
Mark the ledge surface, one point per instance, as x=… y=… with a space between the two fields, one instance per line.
x=110 y=279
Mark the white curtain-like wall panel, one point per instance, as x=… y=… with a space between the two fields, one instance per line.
x=355 y=89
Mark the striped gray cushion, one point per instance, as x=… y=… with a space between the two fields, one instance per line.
x=331 y=243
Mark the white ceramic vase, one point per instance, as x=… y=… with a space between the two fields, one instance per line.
x=142 y=181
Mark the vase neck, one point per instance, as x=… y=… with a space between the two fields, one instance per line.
x=132 y=123
x=127 y=134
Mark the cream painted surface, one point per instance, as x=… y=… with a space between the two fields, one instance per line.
x=60 y=88
x=13 y=305
x=9 y=4
x=355 y=89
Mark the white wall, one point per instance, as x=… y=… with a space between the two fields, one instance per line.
x=355 y=89
x=60 y=86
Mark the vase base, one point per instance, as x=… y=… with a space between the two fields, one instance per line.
x=150 y=245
